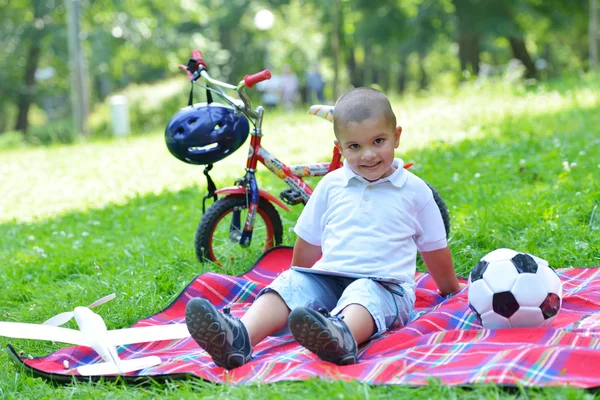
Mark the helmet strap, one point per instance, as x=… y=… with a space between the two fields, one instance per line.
x=209 y=98
x=191 y=97
x=210 y=186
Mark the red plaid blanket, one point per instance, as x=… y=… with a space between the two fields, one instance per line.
x=445 y=342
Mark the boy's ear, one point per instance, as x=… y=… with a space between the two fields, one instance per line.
x=397 y=136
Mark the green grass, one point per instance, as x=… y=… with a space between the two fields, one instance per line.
x=517 y=167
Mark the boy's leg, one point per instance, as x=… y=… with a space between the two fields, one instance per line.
x=386 y=304
x=221 y=335
x=359 y=321
x=327 y=336
x=367 y=309
x=229 y=341
x=267 y=315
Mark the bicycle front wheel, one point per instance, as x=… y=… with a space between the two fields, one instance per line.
x=220 y=230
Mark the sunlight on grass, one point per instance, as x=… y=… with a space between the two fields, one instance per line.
x=40 y=183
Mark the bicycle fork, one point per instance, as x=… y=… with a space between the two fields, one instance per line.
x=252 y=199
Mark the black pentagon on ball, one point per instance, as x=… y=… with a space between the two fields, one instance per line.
x=479 y=270
x=524 y=263
x=475 y=312
x=505 y=304
x=550 y=306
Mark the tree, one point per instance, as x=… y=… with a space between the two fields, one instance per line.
x=593 y=34
x=34 y=42
x=27 y=25
x=468 y=15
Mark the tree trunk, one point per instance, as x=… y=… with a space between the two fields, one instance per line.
x=26 y=96
x=551 y=68
x=402 y=73
x=353 y=69
x=468 y=51
x=336 y=48
x=423 y=79
x=520 y=53
x=593 y=34
x=468 y=40
x=383 y=78
x=376 y=76
x=3 y=118
x=367 y=67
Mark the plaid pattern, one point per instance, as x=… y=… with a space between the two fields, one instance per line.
x=445 y=342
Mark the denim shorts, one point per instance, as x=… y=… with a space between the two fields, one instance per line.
x=300 y=289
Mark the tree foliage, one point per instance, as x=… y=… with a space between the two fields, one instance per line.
x=395 y=44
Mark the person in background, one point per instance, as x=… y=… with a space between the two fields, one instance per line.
x=270 y=96
x=288 y=84
x=315 y=85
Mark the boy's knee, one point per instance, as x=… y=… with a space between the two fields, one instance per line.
x=364 y=285
x=288 y=275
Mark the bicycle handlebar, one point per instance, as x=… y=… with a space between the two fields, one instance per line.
x=251 y=80
x=197 y=68
x=206 y=76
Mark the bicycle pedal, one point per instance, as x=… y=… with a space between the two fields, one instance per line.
x=291 y=196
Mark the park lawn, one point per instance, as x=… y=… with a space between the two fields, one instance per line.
x=518 y=167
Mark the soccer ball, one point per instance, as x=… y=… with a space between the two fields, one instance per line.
x=511 y=289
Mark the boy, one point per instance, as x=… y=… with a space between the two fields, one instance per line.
x=370 y=217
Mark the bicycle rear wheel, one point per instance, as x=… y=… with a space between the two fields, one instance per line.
x=219 y=232
x=443 y=209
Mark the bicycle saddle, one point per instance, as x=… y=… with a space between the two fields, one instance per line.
x=322 y=111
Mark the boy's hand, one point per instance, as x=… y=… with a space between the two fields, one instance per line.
x=461 y=286
x=439 y=265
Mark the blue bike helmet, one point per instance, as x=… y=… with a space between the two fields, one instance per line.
x=205 y=133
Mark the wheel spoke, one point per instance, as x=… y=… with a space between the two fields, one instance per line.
x=230 y=253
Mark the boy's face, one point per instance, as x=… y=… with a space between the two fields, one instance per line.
x=368 y=147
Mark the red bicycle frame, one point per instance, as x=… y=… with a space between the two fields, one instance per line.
x=292 y=175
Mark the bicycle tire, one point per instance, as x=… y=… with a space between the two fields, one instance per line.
x=443 y=209
x=204 y=242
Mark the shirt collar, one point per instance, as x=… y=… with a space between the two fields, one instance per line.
x=397 y=178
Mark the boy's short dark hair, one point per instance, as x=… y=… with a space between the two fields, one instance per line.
x=357 y=105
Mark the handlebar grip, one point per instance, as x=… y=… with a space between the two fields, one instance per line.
x=185 y=68
x=196 y=61
x=197 y=55
x=251 y=80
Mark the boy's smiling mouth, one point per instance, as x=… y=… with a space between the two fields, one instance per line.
x=371 y=165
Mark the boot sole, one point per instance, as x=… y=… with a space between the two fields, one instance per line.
x=309 y=328
x=205 y=325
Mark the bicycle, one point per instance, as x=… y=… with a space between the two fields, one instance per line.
x=245 y=222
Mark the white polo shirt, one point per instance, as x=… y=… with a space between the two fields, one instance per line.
x=372 y=228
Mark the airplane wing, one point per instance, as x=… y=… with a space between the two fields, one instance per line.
x=109 y=368
x=148 y=334
x=18 y=330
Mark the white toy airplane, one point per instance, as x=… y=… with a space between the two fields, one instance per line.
x=93 y=333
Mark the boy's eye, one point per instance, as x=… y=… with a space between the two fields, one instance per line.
x=353 y=146
x=379 y=141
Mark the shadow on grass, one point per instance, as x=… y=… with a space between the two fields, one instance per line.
x=142 y=250
x=530 y=187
